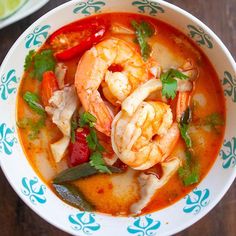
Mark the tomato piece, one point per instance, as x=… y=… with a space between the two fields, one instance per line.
x=79 y=151
x=74 y=39
x=48 y=86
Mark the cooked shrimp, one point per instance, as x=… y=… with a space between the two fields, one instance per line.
x=144 y=133
x=93 y=70
x=185 y=87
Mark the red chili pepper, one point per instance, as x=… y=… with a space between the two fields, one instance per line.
x=79 y=151
x=48 y=86
x=77 y=37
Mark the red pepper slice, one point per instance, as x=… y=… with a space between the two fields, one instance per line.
x=48 y=86
x=74 y=39
x=79 y=151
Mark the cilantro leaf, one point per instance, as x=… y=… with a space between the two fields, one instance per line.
x=96 y=160
x=39 y=63
x=178 y=74
x=98 y=163
x=143 y=31
x=87 y=119
x=29 y=60
x=43 y=61
x=92 y=139
x=169 y=88
x=189 y=172
x=32 y=100
x=93 y=142
x=169 y=82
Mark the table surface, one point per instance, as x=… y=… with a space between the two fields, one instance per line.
x=17 y=219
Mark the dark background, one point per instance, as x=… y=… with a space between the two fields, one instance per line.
x=17 y=219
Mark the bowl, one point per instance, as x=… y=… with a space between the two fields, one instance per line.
x=42 y=200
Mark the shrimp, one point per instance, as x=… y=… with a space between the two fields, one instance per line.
x=185 y=87
x=93 y=71
x=144 y=132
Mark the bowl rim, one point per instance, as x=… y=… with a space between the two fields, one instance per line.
x=226 y=52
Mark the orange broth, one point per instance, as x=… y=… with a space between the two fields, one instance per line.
x=206 y=145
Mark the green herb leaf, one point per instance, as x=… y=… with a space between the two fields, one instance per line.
x=100 y=148
x=189 y=172
x=29 y=60
x=214 y=120
x=72 y=195
x=74 y=126
x=169 y=82
x=188 y=176
x=98 y=163
x=92 y=140
x=184 y=134
x=143 y=31
x=81 y=171
x=87 y=119
x=178 y=74
x=184 y=126
x=32 y=100
x=169 y=88
x=43 y=61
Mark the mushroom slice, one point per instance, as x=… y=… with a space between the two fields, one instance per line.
x=63 y=104
x=149 y=184
x=121 y=29
x=59 y=148
x=60 y=72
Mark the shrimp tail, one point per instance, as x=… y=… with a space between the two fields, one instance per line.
x=182 y=104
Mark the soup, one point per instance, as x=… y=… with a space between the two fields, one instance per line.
x=120 y=113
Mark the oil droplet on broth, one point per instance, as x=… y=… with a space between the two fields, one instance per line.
x=116 y=193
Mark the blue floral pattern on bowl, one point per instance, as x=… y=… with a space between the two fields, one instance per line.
x=89 y=7
x=229 y=83
x=228 y=153
x=7 y=139
x=37 y=37
x=200 y=37
x=150 y=7
x=34 y=190
x=196 y=200
x=144 y=226
x=8 y=84
x=84 y=222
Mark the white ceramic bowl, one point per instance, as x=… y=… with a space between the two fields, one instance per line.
x=42 y=200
